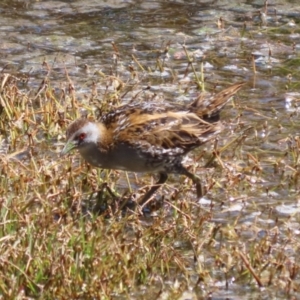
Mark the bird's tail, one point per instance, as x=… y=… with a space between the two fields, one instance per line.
x=208 y=108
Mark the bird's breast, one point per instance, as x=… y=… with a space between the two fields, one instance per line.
x=125 y=157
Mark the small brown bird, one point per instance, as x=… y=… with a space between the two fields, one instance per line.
x=149 y=137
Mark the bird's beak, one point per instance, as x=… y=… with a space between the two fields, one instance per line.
x=70 y=145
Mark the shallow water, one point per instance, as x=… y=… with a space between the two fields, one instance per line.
x=258 y=182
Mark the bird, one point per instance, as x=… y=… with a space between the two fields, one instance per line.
x=149 y=137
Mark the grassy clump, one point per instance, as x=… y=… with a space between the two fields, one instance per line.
x=54 y=245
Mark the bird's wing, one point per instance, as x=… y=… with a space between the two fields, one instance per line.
x=167 y=130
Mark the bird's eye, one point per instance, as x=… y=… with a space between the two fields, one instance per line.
x=81 y=136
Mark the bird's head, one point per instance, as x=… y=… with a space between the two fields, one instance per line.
x=81 y=134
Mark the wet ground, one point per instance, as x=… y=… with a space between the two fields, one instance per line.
x=234 y=41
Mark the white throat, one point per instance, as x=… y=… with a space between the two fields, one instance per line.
x=92 y=132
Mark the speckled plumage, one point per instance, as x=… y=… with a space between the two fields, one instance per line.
x=149 y=137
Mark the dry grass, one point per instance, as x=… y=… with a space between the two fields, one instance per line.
x=55 y=246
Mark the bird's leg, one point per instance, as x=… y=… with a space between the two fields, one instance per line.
x=162 y=179
x=102 y=199
x=195 y=179
x=112 y=193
